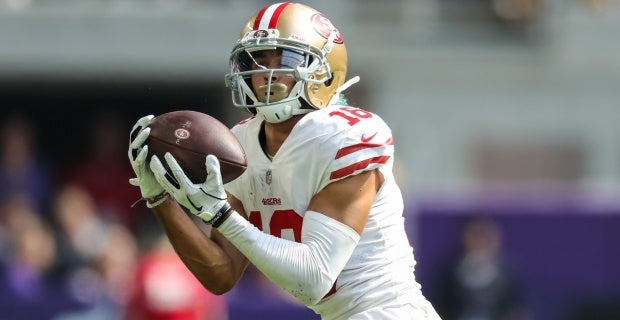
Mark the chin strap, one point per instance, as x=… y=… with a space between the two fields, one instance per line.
x=342 y=88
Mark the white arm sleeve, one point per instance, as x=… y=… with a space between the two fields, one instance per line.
x=307 y=270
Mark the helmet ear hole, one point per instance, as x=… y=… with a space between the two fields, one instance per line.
x=329 y=81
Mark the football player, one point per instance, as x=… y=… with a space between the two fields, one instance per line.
x=318 y=210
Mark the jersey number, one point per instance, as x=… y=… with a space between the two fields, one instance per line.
x=351 y=114
x=280 y=220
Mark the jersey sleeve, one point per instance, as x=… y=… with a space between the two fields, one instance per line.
x=351 y=149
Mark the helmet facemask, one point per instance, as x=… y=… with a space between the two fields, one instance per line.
x=275 y=101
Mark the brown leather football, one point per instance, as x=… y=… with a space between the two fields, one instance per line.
x=190 y=136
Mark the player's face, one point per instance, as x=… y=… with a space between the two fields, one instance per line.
x=278 y=83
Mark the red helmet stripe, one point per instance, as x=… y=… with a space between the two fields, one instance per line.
x=276 y=15
x=259 y=17
x=267 y=17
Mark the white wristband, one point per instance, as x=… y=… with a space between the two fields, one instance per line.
x=307 y=270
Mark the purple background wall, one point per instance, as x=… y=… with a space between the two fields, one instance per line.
x=567 y=257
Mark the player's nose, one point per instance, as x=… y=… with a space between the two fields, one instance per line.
x=272 y=76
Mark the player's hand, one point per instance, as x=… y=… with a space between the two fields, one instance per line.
x=207 y=200
x=150 y=189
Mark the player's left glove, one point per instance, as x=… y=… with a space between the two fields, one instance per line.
x=207 y=200
x=145 y=180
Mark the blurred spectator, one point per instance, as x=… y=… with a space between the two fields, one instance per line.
x=164 y=289
x=99 y=256
x=103 y=284
x=104 y=171
x=21 y=171
x=29 y=287
x=31 y=249
x=82 y=231
x=481 y=285
x=16 y=211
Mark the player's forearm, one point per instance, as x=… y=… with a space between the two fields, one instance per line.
x=308 y=269
x=209 y=262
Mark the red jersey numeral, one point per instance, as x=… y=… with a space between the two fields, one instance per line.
x=351 y=114
x=280 y=220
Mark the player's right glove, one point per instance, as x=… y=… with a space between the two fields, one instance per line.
x=150 y=189
x=207 y=200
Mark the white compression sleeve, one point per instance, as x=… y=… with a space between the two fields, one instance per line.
x=307 y=270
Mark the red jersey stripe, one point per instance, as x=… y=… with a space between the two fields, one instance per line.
x=350 y=169
x=356 y=147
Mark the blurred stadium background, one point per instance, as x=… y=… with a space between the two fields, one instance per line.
x=501 y=109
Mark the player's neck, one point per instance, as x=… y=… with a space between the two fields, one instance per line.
x=276 y=134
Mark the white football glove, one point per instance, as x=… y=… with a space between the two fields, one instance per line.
x=207 y=200
x=150 y=189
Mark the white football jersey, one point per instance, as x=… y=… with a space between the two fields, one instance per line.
x=325 y=146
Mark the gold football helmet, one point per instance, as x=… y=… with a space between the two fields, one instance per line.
x=312 y=53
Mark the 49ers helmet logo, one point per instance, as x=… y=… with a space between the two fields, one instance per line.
x=260 y=34
x=324 y=27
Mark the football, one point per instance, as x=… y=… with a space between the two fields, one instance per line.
x=190 y=136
